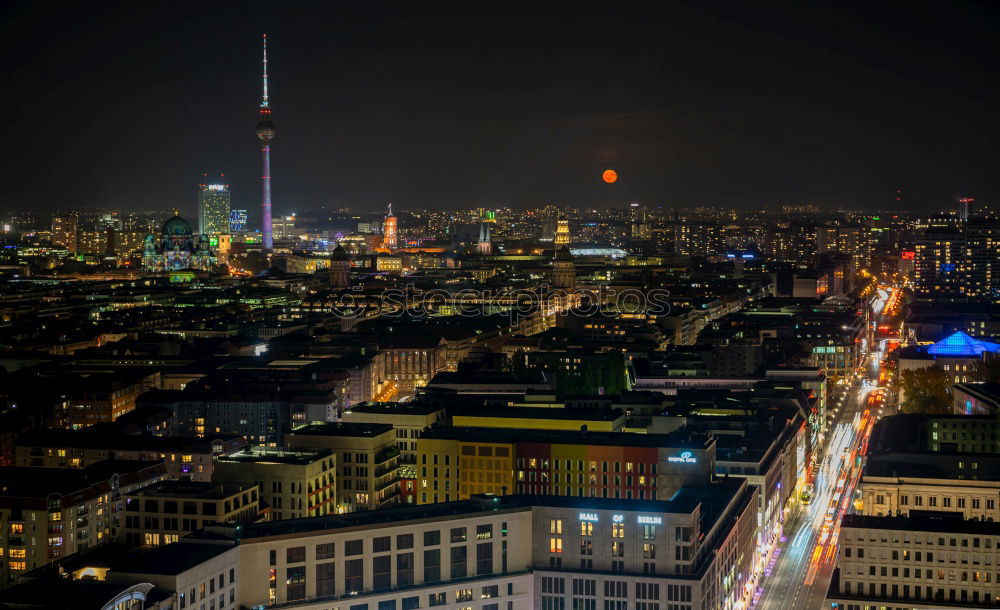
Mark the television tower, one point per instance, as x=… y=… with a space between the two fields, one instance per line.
x=265 y=133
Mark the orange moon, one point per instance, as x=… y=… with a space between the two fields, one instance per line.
x=610 y=176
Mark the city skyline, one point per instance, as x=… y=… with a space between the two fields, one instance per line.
x=462 y=108
x=652 y=306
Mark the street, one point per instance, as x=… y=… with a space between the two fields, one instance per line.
x=800 y=571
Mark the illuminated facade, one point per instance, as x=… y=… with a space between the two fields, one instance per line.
x=456 y=463
x=64 y=232
x=238 y=221
x=390 y=237
x=176 y=249
x=562 y=237
x=694 y=551
x=265 y=133
x=213 y=209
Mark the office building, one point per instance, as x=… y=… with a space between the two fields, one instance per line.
x=930 y=560
x=517 y=552
x=213 y=209
x=238 y=221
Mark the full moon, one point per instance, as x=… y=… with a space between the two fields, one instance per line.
x=610 y=175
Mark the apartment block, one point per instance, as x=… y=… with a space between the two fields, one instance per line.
x=47 y=514
x=168 y=511
x=295 y=483
x=367 y=461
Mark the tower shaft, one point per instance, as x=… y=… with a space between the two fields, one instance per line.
x=266 y=205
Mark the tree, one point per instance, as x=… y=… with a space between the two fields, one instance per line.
x=925 y=391
x=986 y=370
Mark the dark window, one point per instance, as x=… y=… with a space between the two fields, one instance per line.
x=354 y=575
x=389 y=604
x=354 y=547
x=458 y=534
x=484 y=558
x=324 y=551
x=382 y=572
x=411 y=603
x=382 y=544
x=432 y=538
x=404 y=569
x=404 y=541
x=459 y=562
x=324 y=579
x=296 y=554
x=432 y=565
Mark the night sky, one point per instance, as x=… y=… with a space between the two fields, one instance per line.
x=479 y=103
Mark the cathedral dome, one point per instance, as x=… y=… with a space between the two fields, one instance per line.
x=177 y=226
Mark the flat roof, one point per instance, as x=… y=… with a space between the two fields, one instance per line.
x=938 y=522
x=614 y=439
x=194 y=490
x=276 y=455
x=170 y=559
x=342 y=429
x=539 y=413
x=396 y=408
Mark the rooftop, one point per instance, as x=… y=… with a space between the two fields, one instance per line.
x=613 y=439
x=959 y=345
x=342 y=429
x=191 y=490
x=923 y=522
x=539 y=413
x=276 y=455
x=396 y=408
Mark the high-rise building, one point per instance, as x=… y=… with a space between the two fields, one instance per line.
x=265 y=133
x=65 y=231
x=389 y=230
x=954 y=262
x=237 y=221
x=213 y=209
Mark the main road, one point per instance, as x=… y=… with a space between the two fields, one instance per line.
x=802 y=565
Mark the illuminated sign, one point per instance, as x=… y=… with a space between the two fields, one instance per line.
x=909 y=255
x=216 y=187
x=648 y=520
x=588 y=517
x=685 y=457
x=618 y=518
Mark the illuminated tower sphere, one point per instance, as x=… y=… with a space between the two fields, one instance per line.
x=265 y=133
x=563 y=269
x=389 y=231
x=340 y=268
